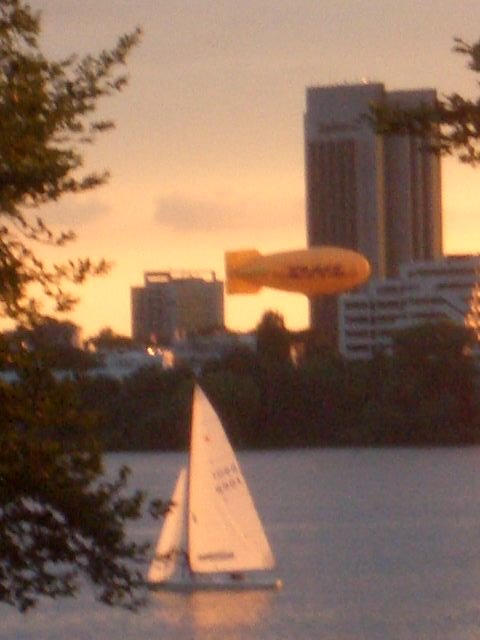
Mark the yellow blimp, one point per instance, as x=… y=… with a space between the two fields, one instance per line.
x=313 y=272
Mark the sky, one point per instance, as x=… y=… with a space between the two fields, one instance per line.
x=207 y=154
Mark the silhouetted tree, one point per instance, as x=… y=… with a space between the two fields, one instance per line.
x=107 y=339
x=59 y=521
x=451 y=125
x=273 y=340
x=437 y=374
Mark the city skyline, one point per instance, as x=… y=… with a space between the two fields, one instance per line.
x=208 y=151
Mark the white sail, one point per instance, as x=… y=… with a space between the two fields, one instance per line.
x=225 y=533
x=170 y=553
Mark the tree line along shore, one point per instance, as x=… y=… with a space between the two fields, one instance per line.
x=423 y=393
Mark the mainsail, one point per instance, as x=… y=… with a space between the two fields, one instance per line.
x=171 y=548
x=224 y=531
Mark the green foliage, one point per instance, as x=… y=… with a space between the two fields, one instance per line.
x=46 y=110
x=451 y=125
x=56 y=341
x=438 y=377
x=148 y=410
x=425 y=393
x=108 y=339
x=60 y=521
x=237 y=397
x=273 y=340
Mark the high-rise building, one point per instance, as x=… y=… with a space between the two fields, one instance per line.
x=380 y=195
x=171 y=304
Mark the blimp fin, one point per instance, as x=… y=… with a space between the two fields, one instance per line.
x=234 y=261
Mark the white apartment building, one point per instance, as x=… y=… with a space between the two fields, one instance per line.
x=424 y=292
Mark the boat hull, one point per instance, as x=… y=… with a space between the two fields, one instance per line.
x=199 y=584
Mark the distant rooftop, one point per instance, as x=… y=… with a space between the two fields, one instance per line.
x=154 y=277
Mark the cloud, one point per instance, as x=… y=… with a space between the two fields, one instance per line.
x=182 y=213
x=224 y=213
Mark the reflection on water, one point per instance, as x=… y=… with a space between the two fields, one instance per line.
x=208 y=612
x=229 y=610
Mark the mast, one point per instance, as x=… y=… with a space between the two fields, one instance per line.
x=189 y=480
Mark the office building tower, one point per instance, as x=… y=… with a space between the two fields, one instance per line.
x=379 y=195
x=172 y=304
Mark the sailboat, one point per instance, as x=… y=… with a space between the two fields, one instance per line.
x=212 y=537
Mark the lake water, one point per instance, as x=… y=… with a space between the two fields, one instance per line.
x=371 y=544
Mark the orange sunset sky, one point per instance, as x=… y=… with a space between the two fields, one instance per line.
x=207 y=155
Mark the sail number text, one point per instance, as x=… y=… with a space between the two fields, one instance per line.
x=226 y=478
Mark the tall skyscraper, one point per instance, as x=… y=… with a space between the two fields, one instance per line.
x=172 y=303
x=380 y=195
